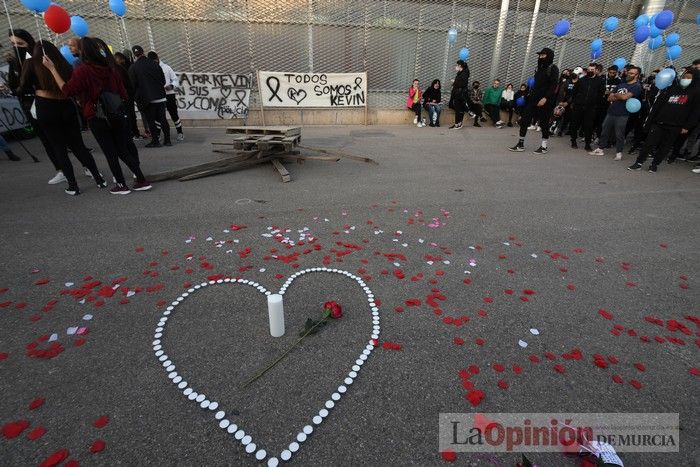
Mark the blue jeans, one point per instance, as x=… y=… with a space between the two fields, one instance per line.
x=434 y=113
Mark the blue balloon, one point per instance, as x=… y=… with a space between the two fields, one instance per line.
x=674 y=52
x=79 y=26
x=655 y=42
x=697 y=19
x=596 y=44
x=672 y=39
x=664 y=19
x=620 y=63
x=595 y=54
x=118 y=7
x=654 y=31
x=633 y=105
x=665 y=78
x=642 y=20
x=641 y=34
x=531 y=82
x=464 y=53
x=611 y=23
x=520 y=101
x=561 y=28
x=452 y=35
x=65 y=51
x=37 y=6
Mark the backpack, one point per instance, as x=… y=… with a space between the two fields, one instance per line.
x=110 y=107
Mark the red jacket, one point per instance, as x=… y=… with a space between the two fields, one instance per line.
x=88 y=81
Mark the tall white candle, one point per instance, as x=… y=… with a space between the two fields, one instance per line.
x=275 y=309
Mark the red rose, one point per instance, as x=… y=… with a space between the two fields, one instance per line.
x=336 y=311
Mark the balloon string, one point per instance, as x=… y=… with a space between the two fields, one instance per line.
x=12 y=29
x=126 y=36
x=38 y=28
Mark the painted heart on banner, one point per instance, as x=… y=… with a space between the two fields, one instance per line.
x=297 y=95
x=225 y=421
x=225 y=91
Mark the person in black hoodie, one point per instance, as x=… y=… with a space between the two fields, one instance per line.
x=149 y=85
x=541 y=100
x=432 y=98
x=676 y=111
x=585 y=99
x=458 y=96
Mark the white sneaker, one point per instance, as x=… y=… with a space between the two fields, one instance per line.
x=87 y=173
x=58 y=178
x=597 y=152
x=415 y=120
x=420 y=125
x=472 y=114
x=500 y=122
x=424 y=121
x=532 y=127
x=696 y=170
x=538 y=129
x=618 y=156
x=180 y=136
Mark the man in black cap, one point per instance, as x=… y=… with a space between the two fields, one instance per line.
x=149 y=87
x=542 y=100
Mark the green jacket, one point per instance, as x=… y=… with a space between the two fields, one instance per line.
x=493 y=96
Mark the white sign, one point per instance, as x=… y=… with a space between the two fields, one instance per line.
x=312 y=90
x=213 y=95
x=12 y=117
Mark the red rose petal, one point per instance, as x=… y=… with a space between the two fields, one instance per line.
x=618 y=379
x=41 y=282
x=4 y=356
x=630 y=284
x=55 y=458
x=14 y=429
x=571 y=286
x=517 y=369
x=534 y=358
x=635 y=384
x=640 y=366
x=605 y=313
x=449 y=455
x=36 y=433
x=475 y=397
x=488 y=300
x=498 y=367
x=524 y=298
x=694 y=371
x=473 y=369
x=508 y=291
x=98 y=446
x=480 y=341
x=101 y=422
x=529 y=292
x=36 y=403
x=458 y=341
x=559 y=368
x=502 y=384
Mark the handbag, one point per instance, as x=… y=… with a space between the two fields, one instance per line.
x=110 y=107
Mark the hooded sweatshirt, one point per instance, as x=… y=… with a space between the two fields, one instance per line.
x=87 y=83
x=546 y=80
x=431 y=94
x=678 y=107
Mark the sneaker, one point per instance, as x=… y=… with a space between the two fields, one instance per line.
x=138 y=138
x=58 y=178
x=635 y=166
x=510 y=124
x=597 y=152
x=517 y=148
x=695 y=158
x=167 y=142
x=73 y=191
x=153 y=144
x=471 y=114
x=87 y=172
x=101 y=184
x=434 y=119
x=482 y=120
x=12 y=156
x=425 y=122
x=119 y=189
x=415 y=120
x=652 y=169
x=588 y=148
x=500 y=122
x=696 y=170
x=420 y=125
x=499 y=125
x=540 y=150
x=456 y=126
x=633 y=150
x=476 y=124
x=574 y=145
x=618 y=156
x=553 y=129
x=142 y=186
x=538 y=128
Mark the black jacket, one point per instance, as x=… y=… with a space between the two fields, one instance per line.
x=148 y=81
x=432 y=95
x=588 y=92
x=678 y=107
x=546 y=82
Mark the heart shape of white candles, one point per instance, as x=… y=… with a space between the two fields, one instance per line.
x=219 y=415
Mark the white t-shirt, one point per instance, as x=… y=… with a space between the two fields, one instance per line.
x=508 y=95
x=170 y=78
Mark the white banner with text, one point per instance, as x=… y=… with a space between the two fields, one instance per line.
x=312 y=90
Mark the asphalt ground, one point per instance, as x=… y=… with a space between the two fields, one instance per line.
x=453 y=212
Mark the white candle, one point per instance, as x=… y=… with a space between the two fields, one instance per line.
x=275 y=309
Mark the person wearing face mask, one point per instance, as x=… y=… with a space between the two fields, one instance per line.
x=492 y=103
x=508 y=102
x=611 y=82
x=541 y=101
x=584 y=99
x=616 y=118
x=675 y=111
x=432 y=98
x=523 y=92
x=561 y=117
x=22 y=47
x=458 y=96
x=476 y=96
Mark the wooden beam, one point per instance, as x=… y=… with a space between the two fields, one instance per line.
x=286 y=177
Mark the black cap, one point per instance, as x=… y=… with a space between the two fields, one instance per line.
x=137 y=49
x=547 y=51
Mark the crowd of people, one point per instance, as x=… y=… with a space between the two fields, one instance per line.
x=97 y=90
x=588 y=104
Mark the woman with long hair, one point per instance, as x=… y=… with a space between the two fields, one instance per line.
x=56 y=113
x=92 y=80
x=123 y=69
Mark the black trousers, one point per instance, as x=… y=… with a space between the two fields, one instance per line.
x=533 y=113
x=171 y=106
x=494 y=112
x=48 y=147
x=116 y=143
x=157 y=121
x=583 y=118
x=659 y=141
x=416 y=109
x=61 y=124
x=131 y=114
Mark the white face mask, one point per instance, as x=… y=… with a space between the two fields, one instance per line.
x=685 y=82
x=457 y=69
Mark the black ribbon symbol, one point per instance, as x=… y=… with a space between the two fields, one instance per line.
x=358 y=83
x=273 y=91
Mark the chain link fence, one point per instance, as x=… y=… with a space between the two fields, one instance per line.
x=393 y=40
